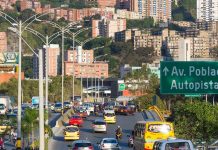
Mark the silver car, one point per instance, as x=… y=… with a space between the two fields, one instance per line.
x=81 y=145
x=99 y=125
x=109 y=144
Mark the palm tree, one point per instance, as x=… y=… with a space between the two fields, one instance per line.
x=29 y=123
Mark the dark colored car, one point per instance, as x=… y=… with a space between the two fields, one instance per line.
x=67 y=105
x=124 y=110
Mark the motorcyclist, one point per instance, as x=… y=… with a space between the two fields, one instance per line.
x=118 y=132
x=1 y=143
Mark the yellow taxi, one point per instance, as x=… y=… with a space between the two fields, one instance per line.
x=110 y=118
x=71 y=133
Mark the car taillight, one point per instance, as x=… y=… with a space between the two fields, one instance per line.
x=75 y=148
x=91 y=147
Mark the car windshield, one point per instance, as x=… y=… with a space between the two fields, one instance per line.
x=99 y=123
x=110 y=114
x=159 y=128
x=2 y=106
x=66 y=103
x=71 y=129
x=177 y=146
x=110 y=141
x=58 y=105
x=76 y=117
x=83 y=144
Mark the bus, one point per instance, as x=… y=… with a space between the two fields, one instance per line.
x=145 y=133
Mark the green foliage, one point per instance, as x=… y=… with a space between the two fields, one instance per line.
x=26 y=14
x=140 y=74
x=55 y=88
x=27 y=66
x=154 y=83
x=194 y=121
x=186 y=11
x=141 y=24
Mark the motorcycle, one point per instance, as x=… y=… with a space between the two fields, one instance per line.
x=2 y=147
x=119 y=136
x=130 y=141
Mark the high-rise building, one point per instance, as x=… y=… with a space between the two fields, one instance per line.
x=107 y=3
x=107 y=27
x=54 y=61
x=207 y=10
x=159 y=10
x=3 y=41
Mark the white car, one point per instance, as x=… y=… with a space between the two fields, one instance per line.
x=99 y=125
x=109 y=143
x=89 y=107
x=109 y=110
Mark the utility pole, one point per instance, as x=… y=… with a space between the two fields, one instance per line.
x=73 y=64
x=62 y=72
x=46 y=79
x=19 y=144
x=41 y=104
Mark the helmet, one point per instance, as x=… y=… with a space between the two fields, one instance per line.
x=118 y=126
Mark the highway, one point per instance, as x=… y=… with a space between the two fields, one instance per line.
x=126 y=122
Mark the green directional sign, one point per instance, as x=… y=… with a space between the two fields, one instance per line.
x=191 y=77
x=122 y=87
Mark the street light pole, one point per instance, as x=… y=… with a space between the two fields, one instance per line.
x=73 y=62
x=46 y=80
x=62 y=74
x=19 y=145
x=98 y=89
x=41 y=104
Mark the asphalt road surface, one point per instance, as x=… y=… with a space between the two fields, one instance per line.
x=126 y=122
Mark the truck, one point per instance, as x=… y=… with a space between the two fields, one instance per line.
x=5 y=104
x=35 y=102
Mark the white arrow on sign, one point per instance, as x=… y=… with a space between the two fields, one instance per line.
x=165 y=70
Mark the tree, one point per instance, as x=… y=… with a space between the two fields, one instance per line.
x=140 y=23
x=26 y=14
x=27 y=66
x=29 y=123
x=198 y=120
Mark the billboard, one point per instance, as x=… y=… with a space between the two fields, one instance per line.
x=9 y=58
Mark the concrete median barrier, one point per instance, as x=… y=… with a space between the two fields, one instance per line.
x=64 y=119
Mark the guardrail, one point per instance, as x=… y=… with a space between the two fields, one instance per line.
x=64 y=118
x=155 y=108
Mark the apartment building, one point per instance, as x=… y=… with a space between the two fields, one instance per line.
x=107 y=3
x=124 y=36
x=80 y=56
x=54 y=61
x=107 y=27
x=159 y=10
x=7 y=4
x=29 y=4
x=207 y=10
x=148 y=40
x=83 y=64
x=125 y=14
x=3 y=41
x=171 y=42
x=92 y=70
